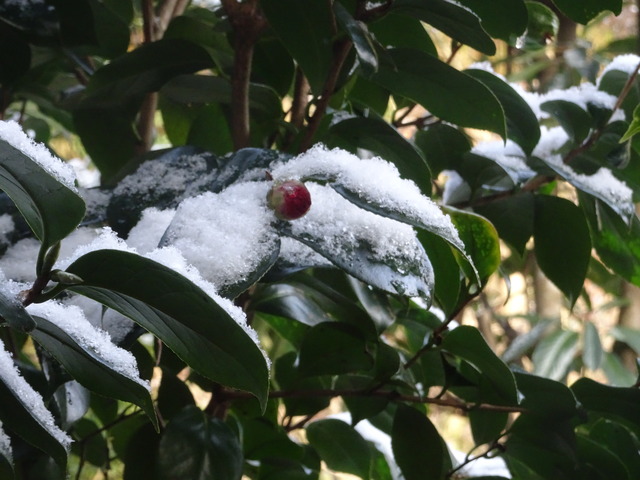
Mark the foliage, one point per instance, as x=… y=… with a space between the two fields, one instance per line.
x=253 y=339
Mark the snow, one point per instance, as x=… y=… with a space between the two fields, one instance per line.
x=375 y=180
x=147 y=233
x=625 y=63
x=115 y=324
x=7 y=227
x=87 y=174
x=456 y=189
x=582 y=95
x=5 y=445
x=12 y=133
x=225 y=235
x=509 y=156
x=296 y=253
x=31 y=400
x=72 y=321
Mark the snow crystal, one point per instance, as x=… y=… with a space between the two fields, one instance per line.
x=87 y=174
x=12 y=133
x=71 y=319
x=295 y=253
x=115 y=324
x=19 y=261
x=105 y=239
x=625 y=63
x=550 y=143
x=5 y=445
x=510 y=157
x=31 y=399
x=147 y=233
x=225 y=235
x=375 y=180
x=456 y=189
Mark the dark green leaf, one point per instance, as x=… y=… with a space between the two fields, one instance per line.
x=6 y=466
x=445 y=268
x=396 y=30
x=592 y=353
x=442 y=145
x=542 y=26
x=12 y=311
x=360 y=406
x=546 y=398
x=562 y=243
x=522 y=125
x=340 y=446
x=199 y=447
x=174 y=309
x=305 y=30
x=554 y=355
x=51 y=209
x=616 y=438
x=417 y=446
x=334 y=348
x=94 y=448
x=599 y=458
x=487 y=427
x=141 y=453
x=451 y=19
x=587 y=10
x=88 y=368
x=467 y=343
x=437 y=86
x=502 y=19
x=360 y=36
x=617 y=244
x=15 y=58
x=616 y=403
x=263 y=440
x=173 y=396
x=481 y=243
x=381 y=138
x=289 y=377
x=575 y=120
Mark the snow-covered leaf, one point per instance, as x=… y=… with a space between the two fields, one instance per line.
x=24 y=413
x=192 y=323
x=12 y=311
x=6 y=456
x=89 y=356
x=41 y=185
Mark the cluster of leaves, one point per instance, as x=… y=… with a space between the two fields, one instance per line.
x=331 y=333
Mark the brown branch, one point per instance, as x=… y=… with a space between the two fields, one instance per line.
x=168 y=10
x=341 y=52
x=248 y=23
x=301 y=91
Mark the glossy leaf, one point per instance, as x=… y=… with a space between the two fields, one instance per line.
x=385 y=141
x=553 y=356
x=600 y=459
x=340 y=446
x=396 y=30
x=486 y=427
x=522 y=125
x=467 y=343
x=562 y=243
x=12 y=311
x=616 y=438
x=445 y=268
x=634 y=126
x=360 y=36
x=334 y=348
x=89 y=369
x=503 y=19
x=442 y=145
x=417 y=446
x=587 y=10
x=575 y=120
x=174 y=309
x=199 y=447
x=305 y=30
x=542 y=26
x=546 y=398
x=51 y=209
x=592 y=353
x=451 y=19
x=436 y=86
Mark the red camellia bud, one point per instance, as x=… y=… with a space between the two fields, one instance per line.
x=289 y=199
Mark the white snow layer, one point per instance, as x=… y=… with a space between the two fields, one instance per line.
x=147 y=233
x=31 y=399
x=509 y=156
x=5 y=445
x=377 y=181
x=225 y=235
x=12 y=133
x=625 y=63
x=72 y=321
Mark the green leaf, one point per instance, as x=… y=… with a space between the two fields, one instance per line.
x=481 y=243
x=502 y=19
x=437 y=86
x=417 y=446
x=592 y=353
x=617 y=244
x=599 y=458
x=396 y=30
x=88 y=368
x=468 y=344
x=12 y=311
x=305 y=30
x=587 y=10
x=173 y=395
x=334 y=348
x=453 y=20
x=546 y=398
x=615 y=403
x=140 y=454
x=634 y=126
x=445 y=268
x=199 y=447
x=360 y=407
x=554 y=355
x=360 y=36
x=442 y=145
x=627 y=335
x=183 y=316
x=385 y=141
x=575 y=120
x=51 y=209
x=543 y=25
x=562 y=243
x=513 y=219
x=289 y=377
x=616 y=438
x=617 y=374
x=522 y=125
x=487 y=427
x=340 y=446
x=263 y=440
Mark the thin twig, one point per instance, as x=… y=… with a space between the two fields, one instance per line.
x=469 y=459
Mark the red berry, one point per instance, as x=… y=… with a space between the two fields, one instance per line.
x=289 y=199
